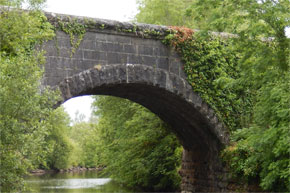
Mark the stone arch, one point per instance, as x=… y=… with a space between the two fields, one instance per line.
x=172 y=99
x=166 y=94
x=130 y=61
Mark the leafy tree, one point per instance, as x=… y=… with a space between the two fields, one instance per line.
x=164 y=12
x=85 y=136
x=60 y=148
x=23 y=106
x=260 y=148
x=136 y=146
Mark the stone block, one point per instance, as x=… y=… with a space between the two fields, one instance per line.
x=121 y=73
x=80 y=83
x=89 y=36
x=149 y=61
x=177 y=84
x=62 y=43
x=174 y=66
x=114 y=47
x=78 y=65
x=140 y=74
x=130 y=49
x=51 y=61
x=78 y=54
x=72 y=87
x=143 y=42
x=101 y=46
x=108 y=75
x=196 y=100
x=64 y=62
x=204 y=108
x=59 y=73
x=134 y=59
x=117 y=58
x=163 y=63
x=101 y=37
x=94 y=55
x=64 y=89
x=145 y=50
x=113 y=58
x=87 y=64
x=88 y=45
x=95 y=76
x=161 y=51
x=160 y=78
x=65 y=52
x=119 y=39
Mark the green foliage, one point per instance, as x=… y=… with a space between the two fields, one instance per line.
x=136 y=146
x=210 y=64
x=20 y=31
x=60 y=148
x=260 y=149
x=254 y=22
x=85 y=136
x=75 y=30
x=163 y=12
x=244 y=77
x=30 y=4
x=23 y=106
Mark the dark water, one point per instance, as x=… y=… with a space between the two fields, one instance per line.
x=83 y=182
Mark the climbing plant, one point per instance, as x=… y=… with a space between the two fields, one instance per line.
x=210 y=65
x=74 y=29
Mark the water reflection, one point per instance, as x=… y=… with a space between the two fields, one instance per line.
x=73 y=183
x=70 y=183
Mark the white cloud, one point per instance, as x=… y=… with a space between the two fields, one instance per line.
x=121 y=10
x=79 y=104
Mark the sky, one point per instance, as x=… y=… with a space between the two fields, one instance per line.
x=121 y=10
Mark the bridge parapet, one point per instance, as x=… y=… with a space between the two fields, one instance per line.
x=105 y=47
x=112 y=27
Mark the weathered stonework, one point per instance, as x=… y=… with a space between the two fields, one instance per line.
x=141 y=68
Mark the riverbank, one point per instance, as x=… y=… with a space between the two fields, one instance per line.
x=73 y=169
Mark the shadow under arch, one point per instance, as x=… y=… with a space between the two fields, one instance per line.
x=172 y=99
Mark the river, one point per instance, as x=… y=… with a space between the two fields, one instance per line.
x=81 y=182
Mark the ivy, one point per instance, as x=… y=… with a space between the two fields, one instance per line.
x=211 y=68
x=75 y=30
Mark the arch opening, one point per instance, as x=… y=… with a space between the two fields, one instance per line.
x=172 y=99
x=165 y=94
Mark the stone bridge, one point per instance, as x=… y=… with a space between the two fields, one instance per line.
x=130 y=61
